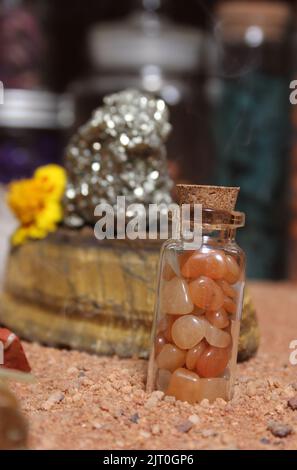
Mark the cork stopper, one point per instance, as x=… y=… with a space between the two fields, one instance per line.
x=211 y=197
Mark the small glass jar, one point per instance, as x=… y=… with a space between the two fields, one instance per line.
x=252 y=124
x=198 y=311
x=33 y=127
x=140 y=55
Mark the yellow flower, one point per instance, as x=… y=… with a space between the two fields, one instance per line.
x=36 y=203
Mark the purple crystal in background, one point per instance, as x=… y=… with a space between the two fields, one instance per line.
x=21 y=155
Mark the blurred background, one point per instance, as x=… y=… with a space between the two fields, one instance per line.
x=223 y=67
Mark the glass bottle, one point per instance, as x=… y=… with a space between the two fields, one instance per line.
x=198 y=307
x=140 y=54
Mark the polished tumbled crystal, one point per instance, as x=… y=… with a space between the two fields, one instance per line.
x=168 y=273
x=211 y=264
x=176 y=297
x=171 y=358
x=218 y=318
x=230 y=306
x=171 y=265
x=183 y=257
x=165 y=325
x=216 y=337
x=212 y=362
x=228 y=290
x=233 y=270
x=159 y=343
x=211 y=389
x=206 y=294
x=194 y=353
x=187 y=331
x=184 y=385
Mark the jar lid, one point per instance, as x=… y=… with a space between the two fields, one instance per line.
x=144 y=39
x=30 y=109
x=218 y=204
x=222 y=198
x=253 y=21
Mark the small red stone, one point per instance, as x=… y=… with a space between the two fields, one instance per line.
x=13 y=352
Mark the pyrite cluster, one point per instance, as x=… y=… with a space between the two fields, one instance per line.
x=119 y=152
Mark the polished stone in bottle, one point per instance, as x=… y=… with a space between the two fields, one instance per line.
x=212 y=362
x=206 y=294
x=171 y=358
x=218 y=318
x=175 y=297
x=188 y=331
x=184 y=385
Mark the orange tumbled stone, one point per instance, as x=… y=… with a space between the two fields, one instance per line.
x=206 y=294
x=194 y=353
x=233 y=270
x=171 y=358
x=198 y=311
x=184 y=256
x=216 y=337
x=218 y=318
x=212 y=362
x=188 y=331
x=228 y=290
x=175 y=297
x=211 y=389
x=160 y=341
x=165 y=325
x=211 y=264
x=184 y=385
x=170 y=320
x=168 y=272
x=162 y=325
x=230 y=306
x=171 y=265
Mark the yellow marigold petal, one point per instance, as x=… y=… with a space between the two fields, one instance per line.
x=50 y=216
x=54 y=179
x=25 y=198
x=19 y=236
x=37 y=203
x=37 y=232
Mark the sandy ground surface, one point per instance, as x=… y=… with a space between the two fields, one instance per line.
x=86 y=402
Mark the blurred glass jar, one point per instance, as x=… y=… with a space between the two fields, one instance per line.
x=32 y=128
x=253 y=125
x=292 y=193
x=148 y=52
x=198 y=312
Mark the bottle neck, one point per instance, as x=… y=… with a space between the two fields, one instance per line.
x=221 y=236
x=211 y=237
